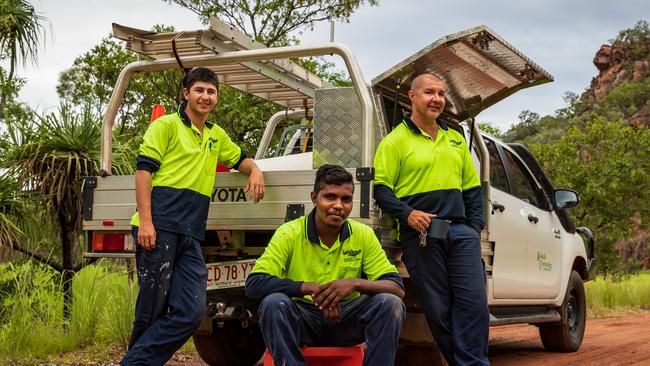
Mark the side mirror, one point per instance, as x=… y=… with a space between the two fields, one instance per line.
x=565 y=198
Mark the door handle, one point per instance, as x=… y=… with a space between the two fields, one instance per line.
x=532 y=218
x=496 y=206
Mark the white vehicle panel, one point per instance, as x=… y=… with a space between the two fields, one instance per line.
x=509 y=230
x=301 y=161
x=544 y=257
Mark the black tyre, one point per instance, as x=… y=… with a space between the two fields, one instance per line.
x=231 y=345
x=566 y=336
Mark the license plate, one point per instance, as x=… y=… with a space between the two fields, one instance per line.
x=229 y=274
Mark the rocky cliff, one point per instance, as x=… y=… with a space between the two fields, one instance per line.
x=625 y=60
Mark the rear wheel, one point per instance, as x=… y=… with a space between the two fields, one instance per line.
x=566 y=336
x=231 y=345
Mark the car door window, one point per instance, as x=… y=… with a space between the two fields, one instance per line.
x=523 y=186
x=498 y=177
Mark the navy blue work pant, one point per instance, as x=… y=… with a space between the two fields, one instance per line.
x=171 y=301
x=375 y=319
x=449 y=277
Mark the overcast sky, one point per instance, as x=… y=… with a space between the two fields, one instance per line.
x=562 y=36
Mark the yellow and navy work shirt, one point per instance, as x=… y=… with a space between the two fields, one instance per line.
x=183 y=165
x=414 y=171
x=296 y=254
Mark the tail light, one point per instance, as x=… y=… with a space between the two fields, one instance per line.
x=112 y=242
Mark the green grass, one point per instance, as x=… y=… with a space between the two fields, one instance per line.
x=32 y=329
x=608 y=295
x=32 y=326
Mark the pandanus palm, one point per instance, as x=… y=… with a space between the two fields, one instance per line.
x=12 y=209
x=50 y=157
x=21 y=29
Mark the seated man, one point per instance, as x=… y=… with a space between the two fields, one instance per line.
x=310 y=279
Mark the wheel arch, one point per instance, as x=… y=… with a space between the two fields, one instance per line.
x=580 y=266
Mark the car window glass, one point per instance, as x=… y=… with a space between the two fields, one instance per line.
x=498 y=178
x=523 y=186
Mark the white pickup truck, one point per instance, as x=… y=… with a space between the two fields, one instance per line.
x=535 y=260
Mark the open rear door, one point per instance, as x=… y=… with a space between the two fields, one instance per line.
x=477 y=66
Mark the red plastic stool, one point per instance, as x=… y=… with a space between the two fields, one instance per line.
x=327 y=356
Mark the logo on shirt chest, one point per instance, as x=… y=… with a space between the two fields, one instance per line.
x=349 y=255
x=455 y=143
x=229 y=194
x=212 y=142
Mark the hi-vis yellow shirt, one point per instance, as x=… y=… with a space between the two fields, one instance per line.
x=183 y=165
x=296 y=252
x=414 y=171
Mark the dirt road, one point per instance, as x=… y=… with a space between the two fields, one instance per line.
x=611 y=342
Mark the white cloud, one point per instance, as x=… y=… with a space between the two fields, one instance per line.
x=561 y=36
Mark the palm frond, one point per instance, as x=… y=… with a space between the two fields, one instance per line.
x=57 y=150
x=12 y=210
x=21 y=29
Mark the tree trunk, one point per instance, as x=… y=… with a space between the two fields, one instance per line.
x=68 y=241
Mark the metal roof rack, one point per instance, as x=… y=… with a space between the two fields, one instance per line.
x=280 y=81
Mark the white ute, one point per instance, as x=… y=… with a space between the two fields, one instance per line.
x=535 y=261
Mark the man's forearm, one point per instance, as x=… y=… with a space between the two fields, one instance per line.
x=143 y=194
x=379 y=287
x=247 y=166
x=473 y=201
x=389 y=203
x=260 y=285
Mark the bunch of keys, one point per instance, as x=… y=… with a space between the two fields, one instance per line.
x=423 y=238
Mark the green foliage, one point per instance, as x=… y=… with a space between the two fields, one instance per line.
x=637 y=37
x=272 y=21
x=54 y=152
x=605 y=293
x=608 y=162
x=625 y=100
x=490 y=128
x=602 y=149
x=10 y=87
x=10 y=107
x=21 y=30
x=93 y=75
x=325 y=70
x=31 y=308
x=527 y=126
x=12 y=209
x=243 y=116
x=31 y=324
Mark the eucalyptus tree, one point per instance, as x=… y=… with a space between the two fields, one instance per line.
x=271 y=21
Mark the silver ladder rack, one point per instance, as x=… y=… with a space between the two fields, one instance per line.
x=281 y=81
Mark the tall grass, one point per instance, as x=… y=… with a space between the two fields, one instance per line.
x=605 y=294
x=32 y=306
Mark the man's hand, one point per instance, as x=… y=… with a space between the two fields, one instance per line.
x=309 y=288
x=147 y=235
x=332 y=314
x=255 y=184
x=328 y=295
x=420 y=220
